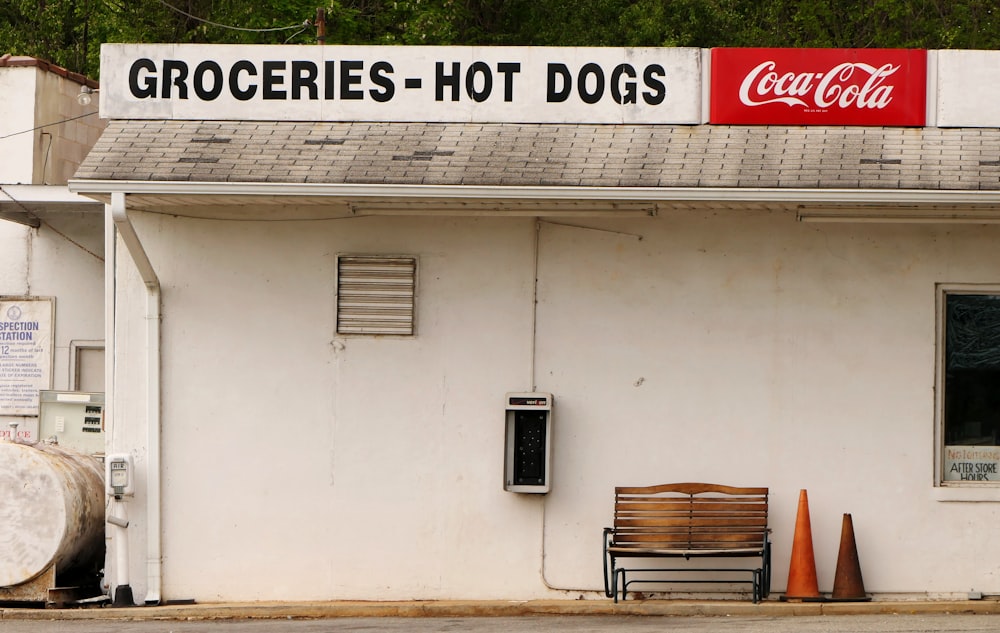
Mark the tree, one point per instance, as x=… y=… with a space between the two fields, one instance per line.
x=68 y=32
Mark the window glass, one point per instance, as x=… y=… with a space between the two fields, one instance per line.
x=90 y=369
x=971 y=402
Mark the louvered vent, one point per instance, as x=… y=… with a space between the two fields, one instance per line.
x=375 y=295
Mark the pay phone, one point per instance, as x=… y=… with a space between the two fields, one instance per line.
x=528 y=445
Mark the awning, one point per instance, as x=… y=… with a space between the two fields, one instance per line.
x=289 y=170
x=28 y=204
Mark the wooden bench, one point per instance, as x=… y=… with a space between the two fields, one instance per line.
x=688 y=520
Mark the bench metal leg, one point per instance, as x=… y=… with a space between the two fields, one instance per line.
x=608 y=561
x=615 y=585
x=766 y=587
x=609 y=583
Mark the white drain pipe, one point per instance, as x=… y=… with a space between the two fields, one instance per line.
x=154 y=555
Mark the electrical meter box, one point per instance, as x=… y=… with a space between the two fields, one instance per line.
x=528 y=448
x=74 y=418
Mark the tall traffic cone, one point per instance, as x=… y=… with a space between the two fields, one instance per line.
x=802 y=584
x=847 y=583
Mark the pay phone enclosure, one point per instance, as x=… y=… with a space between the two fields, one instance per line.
x=528 y=446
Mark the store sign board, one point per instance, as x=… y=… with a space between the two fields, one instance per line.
x=26 y=347
x=809 y=86
x=401 y=83
x=968 y=88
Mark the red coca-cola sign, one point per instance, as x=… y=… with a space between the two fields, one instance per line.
x=819 y=86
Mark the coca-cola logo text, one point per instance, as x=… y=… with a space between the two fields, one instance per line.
x=846 y=85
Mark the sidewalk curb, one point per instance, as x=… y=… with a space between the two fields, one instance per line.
x=467 y=609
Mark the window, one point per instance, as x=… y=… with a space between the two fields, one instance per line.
x=86 y=366
x=969 y=385
x=375 y=295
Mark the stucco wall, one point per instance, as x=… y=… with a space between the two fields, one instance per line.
x=47 y=133
x=17 y=152
x=67 y=254
x=735 y=348
x=61 y=148
x=62 y=259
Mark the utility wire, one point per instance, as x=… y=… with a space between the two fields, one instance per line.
x=48 y=125
x=41 y=222
x=32 y=218
x=234 y=28
x=305 y=25
x=72 y=241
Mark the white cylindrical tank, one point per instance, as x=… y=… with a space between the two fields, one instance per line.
x=51 y=512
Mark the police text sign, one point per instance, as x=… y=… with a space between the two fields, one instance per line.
x=401 y=83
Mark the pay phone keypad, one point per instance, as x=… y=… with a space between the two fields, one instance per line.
x=529 y=447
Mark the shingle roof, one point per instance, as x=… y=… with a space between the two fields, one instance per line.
x=547 y=155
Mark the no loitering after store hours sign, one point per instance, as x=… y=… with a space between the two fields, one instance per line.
x=972 y=463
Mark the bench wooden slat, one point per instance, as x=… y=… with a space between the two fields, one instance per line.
x=731 y=540
x=690 y=489
x=681 y=530
x=683 y=495
x=663 y=505
x=670 y=549
x=634 y=537
x=691 y=522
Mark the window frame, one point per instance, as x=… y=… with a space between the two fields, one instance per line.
x=951 y=490
x=75 y=348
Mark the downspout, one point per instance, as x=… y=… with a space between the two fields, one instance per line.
x=154 y=557
x=110 y=246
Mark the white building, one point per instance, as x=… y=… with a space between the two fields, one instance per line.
x=754 y=305
x=51 y=241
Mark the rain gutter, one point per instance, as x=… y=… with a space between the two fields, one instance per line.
x=804 y=196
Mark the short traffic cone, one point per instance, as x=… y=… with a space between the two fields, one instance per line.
x=847 y=583
x=802 y=583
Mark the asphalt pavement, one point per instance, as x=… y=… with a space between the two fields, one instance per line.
x=529 y=624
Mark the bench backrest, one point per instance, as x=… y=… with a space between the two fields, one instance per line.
x=690 y=516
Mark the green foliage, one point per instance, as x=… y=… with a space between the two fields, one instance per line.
x=68 y=32
x=46 y=29
x=700 y=23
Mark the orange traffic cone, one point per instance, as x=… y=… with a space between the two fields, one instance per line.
x=847 y=583
x=802 y=584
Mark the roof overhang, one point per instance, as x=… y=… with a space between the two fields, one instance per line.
x=293 y=201
x=27 y=204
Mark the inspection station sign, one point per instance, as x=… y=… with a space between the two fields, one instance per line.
x=810 y=86
x=401 y=83
x=26 y=333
